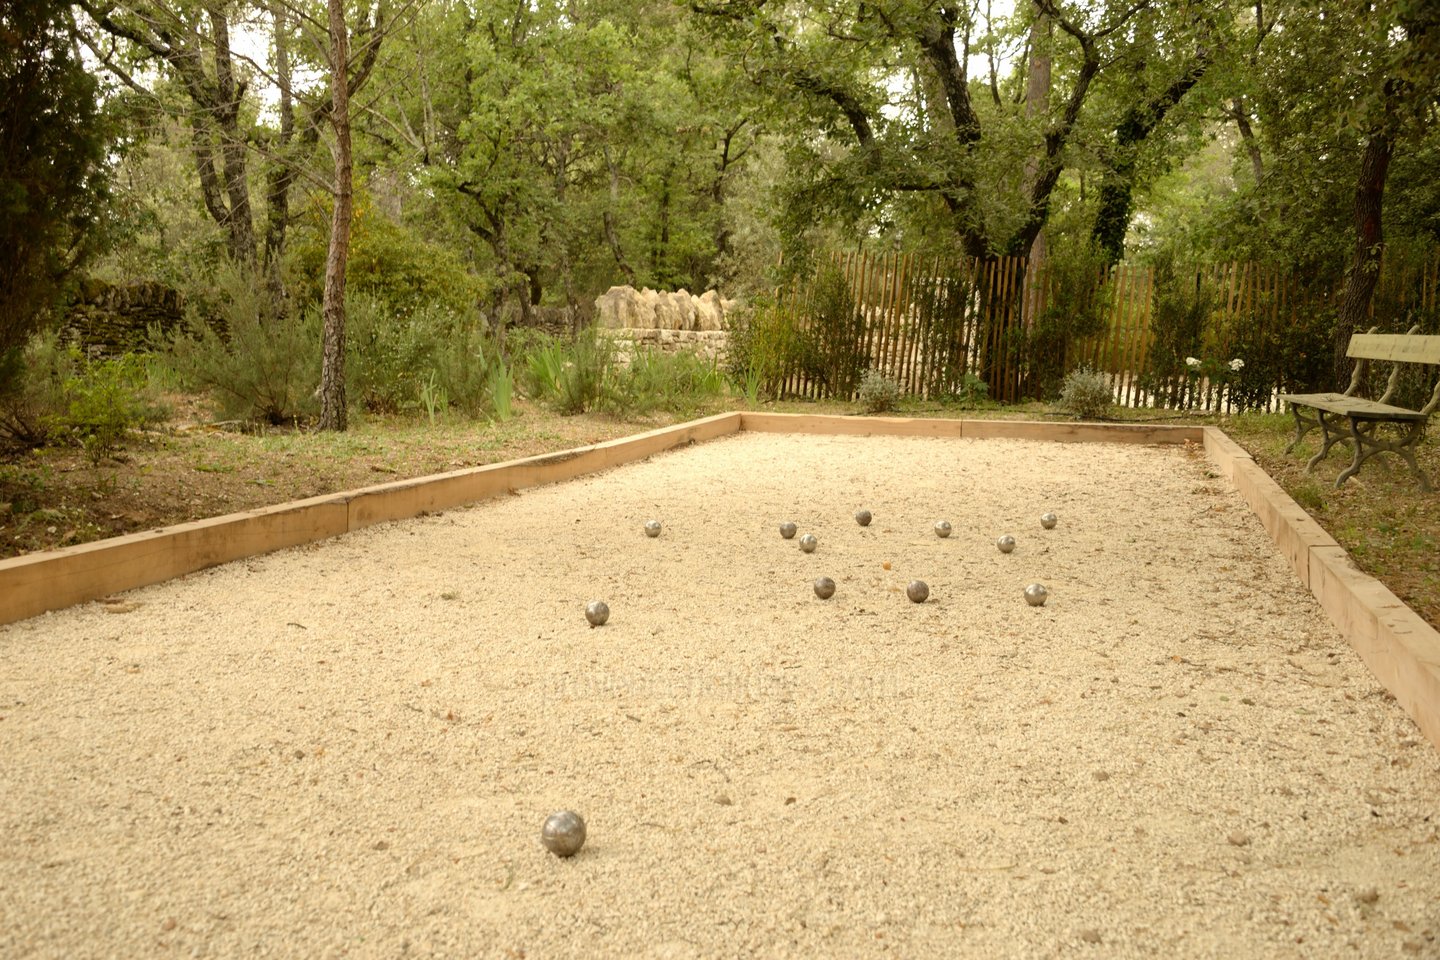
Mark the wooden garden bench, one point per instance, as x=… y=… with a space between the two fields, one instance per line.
x=1343 y=416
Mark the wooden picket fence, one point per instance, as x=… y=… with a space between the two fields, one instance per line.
x=929 y=323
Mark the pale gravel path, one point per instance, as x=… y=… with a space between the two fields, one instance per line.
x=348 y=749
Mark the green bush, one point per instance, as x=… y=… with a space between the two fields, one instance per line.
x=59 y=395
x=878 y=393
x=247 y=351
x=940 y=307
x=1181 y=304
x=104 y=401
x=34 y=397
x=968 y=391
x=833 y=349
x=388 y=262
x=679 y=383
x=765 y=346
x=585 y=373
x=1076 y=309
x=1086 y=394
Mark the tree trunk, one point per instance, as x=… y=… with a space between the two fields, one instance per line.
x=1364 y=271
x=332 y=371
x=612 y=236
x=1117 y=181
x=232 y=142
x=1037 y=104
x=282 y=170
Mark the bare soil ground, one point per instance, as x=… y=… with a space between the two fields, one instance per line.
x=348 y=749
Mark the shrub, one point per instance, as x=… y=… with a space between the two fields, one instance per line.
x=878 y=393
x=765 y=345
x=35 y=393
x=833 y=348
x=1086 y=393
x=1076 y=309
x=104 y=401
x=679 y=383
x=247 y=351
x=430 y=359
x=388 y=262
x=584 y=374
x=59 y=395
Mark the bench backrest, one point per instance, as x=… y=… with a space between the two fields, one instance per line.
x=1401 y=347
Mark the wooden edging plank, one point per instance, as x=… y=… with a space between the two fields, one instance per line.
x=1401 y=649
x=977 y=429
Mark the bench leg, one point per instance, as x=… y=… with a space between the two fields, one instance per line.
x=1303 y=425
x=1331 y=437
x=1367 y=444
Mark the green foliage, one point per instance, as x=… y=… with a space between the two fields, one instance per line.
x=62 y=396
x=428 y=359
x=969 y=391
x=943 y=305
x=582 y=374
x=104 y=401
x=52 y=151
x=679 y=383
x=1076 y=308
x=833 y=340
x=1182 y=302
x=878 y=393
x=1086 y=394
x=247 y=351
x=389 y=264
x=765 y=345
x=34 y=396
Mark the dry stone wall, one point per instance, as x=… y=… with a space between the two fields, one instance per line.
x=666 y=321
x=107 y=319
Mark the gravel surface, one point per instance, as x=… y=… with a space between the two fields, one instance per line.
x=349 y=749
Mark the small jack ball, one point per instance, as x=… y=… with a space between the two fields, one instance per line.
x=1006 y=543
x=942 y=528
x=1048 y=521
x=824 y=588
x=918 y=591
x=563 y=833
x=597 y=612
x=787 y=530
x=1036 y=594
x=808 y=543
x=863 y=518
x=652 y=528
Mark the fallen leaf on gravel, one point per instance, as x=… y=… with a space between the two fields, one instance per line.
x=1238 y=839
x=121 y=607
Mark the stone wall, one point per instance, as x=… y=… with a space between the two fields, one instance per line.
x=108 y=320
x=669 y=322
x=706 y=344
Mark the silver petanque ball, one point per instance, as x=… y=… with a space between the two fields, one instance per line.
x=863 y=518
x=652 y=528
x=808 y=543
x=918 y=591
x=824 y=588
x=1006 y=543
x=1036 y=594
x=787 y=530
x=942 y=528
x=563 y=833
x=1048 y=521
x=597 y=612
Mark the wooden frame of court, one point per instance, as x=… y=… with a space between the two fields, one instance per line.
x=1401 y=649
